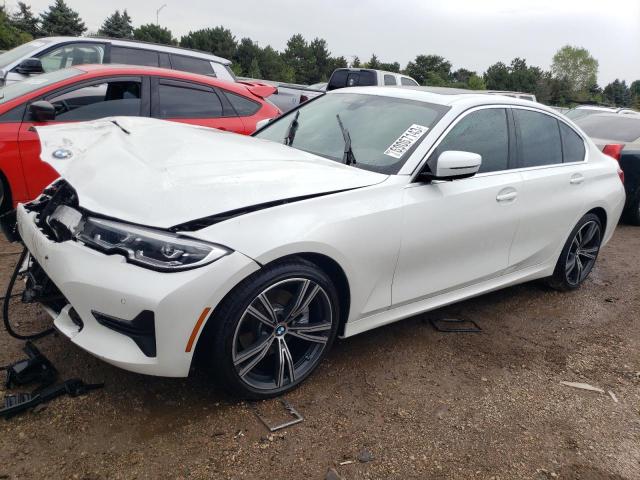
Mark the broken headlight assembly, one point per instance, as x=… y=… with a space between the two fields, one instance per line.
x=154 y=249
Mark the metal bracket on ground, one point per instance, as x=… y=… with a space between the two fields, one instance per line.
x=297 y=417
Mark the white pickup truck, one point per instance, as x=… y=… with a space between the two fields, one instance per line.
x=359 y=77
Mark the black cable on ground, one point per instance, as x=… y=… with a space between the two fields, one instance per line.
x=7 y=299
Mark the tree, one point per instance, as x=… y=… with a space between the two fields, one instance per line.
x=429 y=70
x=9 y=35
x=321 y=56
x=475 y=82
x=24 y=20
x=117 y=26
x=219 y=41
x=523 y=78
x=246 y=52
x=617 y=93
x=373 y=62
x=299 y=57
x=462 y=75
x=635 y=94
x=577 y=66
x=497 y=77
x=154 y=33
x=60 y=20
x=355 y=63
x=390 y=67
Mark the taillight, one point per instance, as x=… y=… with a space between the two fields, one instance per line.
x=614 y=150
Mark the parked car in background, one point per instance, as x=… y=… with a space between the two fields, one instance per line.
x=618 y=135
x=507 y=93
x=90 y=92
x=55 y=53
x=288 y=95
x=257 y=252
x=322 y=86
x=367 y=77
x=586 y=110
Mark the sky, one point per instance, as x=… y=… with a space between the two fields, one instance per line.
x=472 y=34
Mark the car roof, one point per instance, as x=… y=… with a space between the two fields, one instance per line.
x=444 y=96
x=142 y=45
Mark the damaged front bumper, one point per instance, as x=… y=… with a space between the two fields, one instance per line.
x=134 y=318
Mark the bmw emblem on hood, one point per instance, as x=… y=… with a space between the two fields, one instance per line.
x=62 y=154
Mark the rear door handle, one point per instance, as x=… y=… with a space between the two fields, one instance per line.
x=576 y=179
x=507 y=195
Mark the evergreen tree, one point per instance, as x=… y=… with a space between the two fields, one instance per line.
x=219 y=41
x=9 y=35
x=117 y=26
x=24 y=20
x=60 y=20
x=151 y=32
x=373 y=62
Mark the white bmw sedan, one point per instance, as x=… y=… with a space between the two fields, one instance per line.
x=365 y=206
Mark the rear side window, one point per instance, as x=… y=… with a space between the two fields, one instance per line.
x=352 y=78
x=572 y=145
x=193 y=65
x=134 y=56
x=408 y=82
x=389 y=80
x=539 y=138
x=243 y=106
x=484 y=132
x=185 y=102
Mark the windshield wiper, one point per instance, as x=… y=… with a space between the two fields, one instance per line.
x=348 y=158
x=291 y=131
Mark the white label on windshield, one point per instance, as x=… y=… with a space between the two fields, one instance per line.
x=406 y=140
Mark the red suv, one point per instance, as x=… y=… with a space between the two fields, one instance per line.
x=90 y=92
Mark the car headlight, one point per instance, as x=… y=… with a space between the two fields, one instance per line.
x=154 y=249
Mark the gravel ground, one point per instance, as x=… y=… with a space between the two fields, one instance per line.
x=403 y=401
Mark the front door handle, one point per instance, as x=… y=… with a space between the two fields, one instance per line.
x=507 y=195
x=576 y=179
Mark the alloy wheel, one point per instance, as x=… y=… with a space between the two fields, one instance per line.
x=282 y=333
x=583 y=252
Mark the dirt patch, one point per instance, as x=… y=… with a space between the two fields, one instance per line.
x=403 y=401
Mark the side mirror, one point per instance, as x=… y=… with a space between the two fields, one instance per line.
x=455 y=164
x=263 y=123
x=42 y=111
x=30 y=66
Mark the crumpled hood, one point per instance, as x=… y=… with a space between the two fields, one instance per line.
x=159 y=173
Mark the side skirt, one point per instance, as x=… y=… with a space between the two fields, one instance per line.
x=409 y=310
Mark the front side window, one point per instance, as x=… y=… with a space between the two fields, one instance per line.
x=186 y=102
x=539 y=138
x=134 y=56
x=190 y=64
x=121 y=98
x=572 y=145
x=484 y=132
x=375 y=123
x=389 y=79
x=72 y=54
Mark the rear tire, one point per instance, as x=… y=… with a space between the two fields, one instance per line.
x=579 y=254
x=272 y=330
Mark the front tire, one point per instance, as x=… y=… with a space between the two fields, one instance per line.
x=272 y=330
x=579 y=254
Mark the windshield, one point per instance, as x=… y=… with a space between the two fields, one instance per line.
x=619 y=128
x=23 y=51
x=384 y=130
x=31 y=84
